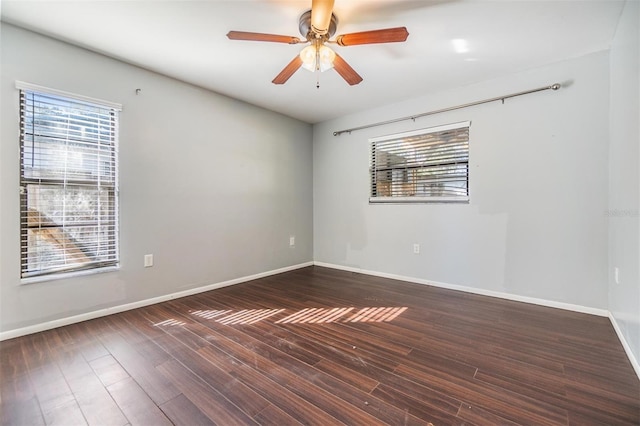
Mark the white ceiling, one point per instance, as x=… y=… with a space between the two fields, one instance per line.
x=187 y=40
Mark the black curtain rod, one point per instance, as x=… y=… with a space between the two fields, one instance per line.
x=555 y=86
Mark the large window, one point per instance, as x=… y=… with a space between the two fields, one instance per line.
x=68 y=182
x=428 y=165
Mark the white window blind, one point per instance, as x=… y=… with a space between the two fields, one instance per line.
x=428 y=165
x=68 y=183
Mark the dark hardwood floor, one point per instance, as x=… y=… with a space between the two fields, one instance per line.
x=320 y=346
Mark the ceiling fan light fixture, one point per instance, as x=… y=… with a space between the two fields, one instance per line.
x=316 y=57
x=325 y=58
x=308 y=56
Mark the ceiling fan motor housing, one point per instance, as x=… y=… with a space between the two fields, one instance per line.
x=304 y=26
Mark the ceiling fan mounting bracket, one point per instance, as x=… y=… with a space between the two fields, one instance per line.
x=304 y=25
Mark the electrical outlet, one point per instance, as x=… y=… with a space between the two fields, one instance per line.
x=148 y=260
x=616 y=275
x=292 y=241
x=416 y=248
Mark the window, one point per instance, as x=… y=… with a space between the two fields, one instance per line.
x=428 y=165
x=68 y=182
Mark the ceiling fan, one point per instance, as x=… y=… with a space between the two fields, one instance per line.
x=317 y=26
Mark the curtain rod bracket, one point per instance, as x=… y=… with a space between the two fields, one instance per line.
x=553 y=87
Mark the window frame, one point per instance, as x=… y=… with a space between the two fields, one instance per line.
x=374 y=168
x=108 y=190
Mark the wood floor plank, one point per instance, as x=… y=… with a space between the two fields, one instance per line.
x=93 y=399
x=138 y=408
x=34 y=351
x=480 y=417
x=131 y=327
x=109 y=370
x=67 y=414
x=139 y=367
x=347 y=375
x=56 y=399
x=182 y=412
x=273 y=415
x=432 y=410
x=312 y=346
x=51 y=388
x=19 y=403
x=524 y=388
x=212 y=403
x=85 y=336
x=12 y=362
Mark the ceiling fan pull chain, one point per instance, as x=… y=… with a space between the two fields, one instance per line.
x=317 y=46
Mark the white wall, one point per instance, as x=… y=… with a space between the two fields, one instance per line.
x=624 y=178
x=535 y=226
x=213 y=187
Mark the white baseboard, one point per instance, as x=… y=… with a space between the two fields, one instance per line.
x=482 y=292
x=625 y=345
x=10 y=334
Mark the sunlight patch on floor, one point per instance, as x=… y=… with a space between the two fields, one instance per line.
x=169 y=323
x=303 y=316
x=209 y=314
x=315 y=315
x=249 y=316
x=376 y=314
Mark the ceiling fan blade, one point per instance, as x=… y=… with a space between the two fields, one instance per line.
x=345 y=71
x=288 y=71
x=389 y=35
x=321 y=15
x=242 y=35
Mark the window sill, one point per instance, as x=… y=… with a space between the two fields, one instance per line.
x=65 y=275
x=419 y=200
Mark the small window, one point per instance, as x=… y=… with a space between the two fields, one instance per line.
x=68 y=183
x=428 y=165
